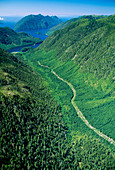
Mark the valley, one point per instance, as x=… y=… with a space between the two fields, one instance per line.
x=88 y=73
x=78 y=111
x=37 y=124
x=57 y=100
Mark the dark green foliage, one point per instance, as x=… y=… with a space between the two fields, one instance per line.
x=35 y=138
x=4 y=36
x=29 y=133
x=35 y=22
x=30 y=119
x=9 y=38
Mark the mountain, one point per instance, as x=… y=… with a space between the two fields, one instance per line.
x=82 y=54
x=60 y=26
x=9 y=38
x=1 y=20
x=64 y=24
x=40 y=128
x=30 y=118
x=35 y=22
x=33 y=133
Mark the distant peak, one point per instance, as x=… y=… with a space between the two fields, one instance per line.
x=40 y=14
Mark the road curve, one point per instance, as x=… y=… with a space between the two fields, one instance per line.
x=79 y=113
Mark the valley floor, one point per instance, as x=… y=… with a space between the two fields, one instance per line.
x=77 y=109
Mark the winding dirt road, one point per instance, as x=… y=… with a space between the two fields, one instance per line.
x=79 y=113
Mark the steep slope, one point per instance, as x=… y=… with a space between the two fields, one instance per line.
x=30 y=118
x=82 y=54
x=35 y=22
x=60 y=26
x=33 y=135
x=66 y=23
x=9 y=38
x=86 y=42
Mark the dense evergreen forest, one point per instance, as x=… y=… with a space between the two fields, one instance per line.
x=39 y=126
x=62 y=25
x=35 y=22
x=9 y=38
x=34 y=135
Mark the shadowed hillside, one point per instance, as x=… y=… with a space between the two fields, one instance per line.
x=9 y=38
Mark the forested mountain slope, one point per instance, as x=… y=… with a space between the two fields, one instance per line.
x=33 y=134
x=9 y=38
x=60 y=26
x=64 y=24
x=31 y=123
x=86 y=48
x=39 y=131
x=89 y=44
x=35 y=22
x=82 y=54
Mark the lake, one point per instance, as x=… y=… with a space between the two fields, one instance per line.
x=8 y=22
x=18 y=49
x=11 y=24
x=40 y=33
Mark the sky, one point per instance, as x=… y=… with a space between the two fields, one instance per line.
x=56 y=7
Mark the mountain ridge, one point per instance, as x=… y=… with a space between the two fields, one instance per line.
x=35 y=22
x=64 y=24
